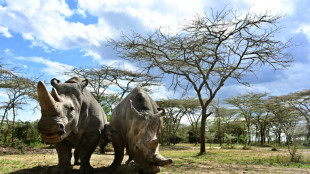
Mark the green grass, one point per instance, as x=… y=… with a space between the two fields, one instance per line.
x=186 y=159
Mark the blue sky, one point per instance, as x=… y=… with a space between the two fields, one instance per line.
x=43 y=37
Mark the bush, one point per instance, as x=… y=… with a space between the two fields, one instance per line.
x=228 y=146
x=246 y=147
x=306 y=143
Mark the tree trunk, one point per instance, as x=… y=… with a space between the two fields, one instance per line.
x=13 y=125
x=204 y=117
x=262 y=135
x=7 y=131
x=2 y=120
x=249 y=134
x=308 y=129
x=202 y=133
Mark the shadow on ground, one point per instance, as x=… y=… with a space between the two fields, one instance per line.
x=102 y=170
x=35 y=170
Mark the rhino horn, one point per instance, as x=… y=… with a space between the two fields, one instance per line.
x=153 y=144
x=55 y=95
x=161 y=161
x=47 y=102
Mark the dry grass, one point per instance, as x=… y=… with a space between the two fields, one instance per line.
x=186 y=160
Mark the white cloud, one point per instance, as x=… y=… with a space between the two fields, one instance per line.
x=304 y=28
x=290 y=80
x=151 y=13
x=51 y=67
x=95 y=55
x=3 y=95
x=120 y=64
x=274 y=6
x=5 y=32
x=160 y=93
x=8 y=52
x=44 y=23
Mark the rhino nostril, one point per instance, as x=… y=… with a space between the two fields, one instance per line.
x=61 y=128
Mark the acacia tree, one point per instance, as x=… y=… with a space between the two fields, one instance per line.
x=208 y=50
x=116 y=80
x=251 y=109
x=282 y=113
x=99 y=80
x=288 y=119
x=192 y=108
x=171 y=122
x=18 y=90
x=301 y=102
x=223 y=118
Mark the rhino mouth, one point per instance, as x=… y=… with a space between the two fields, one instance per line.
x=51 y=133
x=159 y=160
x=51 y=137
x=150 y=170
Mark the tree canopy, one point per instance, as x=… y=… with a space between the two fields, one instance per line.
x=208 y=50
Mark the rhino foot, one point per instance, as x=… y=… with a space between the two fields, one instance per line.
x=130 y=162
x=86 y=169
x=59 y=170
x=114 y=168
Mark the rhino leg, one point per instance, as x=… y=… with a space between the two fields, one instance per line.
x=102 y=146
x=88 y=147
x=130 y=160
x=118 y=151
x=64 y=157
x=77 y=156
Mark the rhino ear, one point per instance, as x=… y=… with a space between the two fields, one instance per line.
x=163 y=111
x=55 y=82
x=84 y=83
x=160 y=113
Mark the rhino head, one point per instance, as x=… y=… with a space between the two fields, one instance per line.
x=145 y=144
x=60 y=109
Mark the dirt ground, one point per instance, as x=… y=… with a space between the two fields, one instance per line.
x=41 y=161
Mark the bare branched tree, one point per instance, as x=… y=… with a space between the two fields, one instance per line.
x=109 y=84
x=208 y=50
x=18 y=91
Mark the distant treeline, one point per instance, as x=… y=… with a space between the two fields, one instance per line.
x=248 y=118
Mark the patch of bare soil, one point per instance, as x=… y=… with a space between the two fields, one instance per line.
x=25 y=150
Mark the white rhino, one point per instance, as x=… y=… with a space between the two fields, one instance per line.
x=71 y=118
x=135 y=125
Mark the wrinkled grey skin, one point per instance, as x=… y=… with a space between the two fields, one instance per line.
x=135 y=125
x=105 y=138
x=71 y=118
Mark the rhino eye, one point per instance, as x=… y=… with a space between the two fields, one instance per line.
x=71 y=108
x=137 y=147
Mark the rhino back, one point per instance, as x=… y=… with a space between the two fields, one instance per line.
x=92 y=117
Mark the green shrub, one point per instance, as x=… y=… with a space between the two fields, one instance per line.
x=246 y=147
